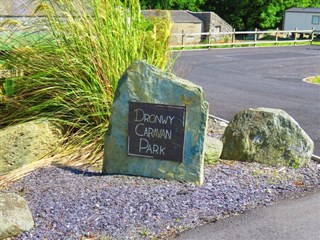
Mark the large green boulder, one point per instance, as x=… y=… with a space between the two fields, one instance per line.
x=25 y=143
x=173 y=113
x=267 y=136
x=15 y=216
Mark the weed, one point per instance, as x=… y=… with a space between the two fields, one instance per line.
x=226 y=39
x=144 y=233
x=257 y=172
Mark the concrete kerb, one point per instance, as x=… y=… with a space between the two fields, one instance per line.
x=219 y=119
x=227 y=48
x=313 y=157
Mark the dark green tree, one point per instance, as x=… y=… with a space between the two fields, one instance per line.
x=272 y=12
x=247 y=14
x=192 y=5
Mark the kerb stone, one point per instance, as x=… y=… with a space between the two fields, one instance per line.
x=145 y=85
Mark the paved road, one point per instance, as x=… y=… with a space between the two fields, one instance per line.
x=292 y=219
x=236 y=79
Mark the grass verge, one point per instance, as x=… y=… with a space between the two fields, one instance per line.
x=279 y=44
x=315 y=80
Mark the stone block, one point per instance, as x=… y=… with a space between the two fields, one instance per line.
x=172 y=106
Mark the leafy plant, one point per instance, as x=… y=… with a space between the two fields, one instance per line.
x=144 y=233
x=226 y=39
x=72 y=60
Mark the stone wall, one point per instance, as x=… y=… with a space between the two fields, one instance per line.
x=23 y=20
x=179 y=28
x=17 y=7
x=23 y=12
x=20 y=13
x=213 y=23
x=22 y=8
x=20 y=24
x=10 y=73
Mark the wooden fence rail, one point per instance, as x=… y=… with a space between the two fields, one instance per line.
x=234 y=38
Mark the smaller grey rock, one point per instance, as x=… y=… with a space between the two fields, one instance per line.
x=15 y=216
x=269 y=136
x=213 y=149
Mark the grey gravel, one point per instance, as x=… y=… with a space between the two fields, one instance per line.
x=69 y=203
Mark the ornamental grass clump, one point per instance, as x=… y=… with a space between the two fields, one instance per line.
x=71 y=59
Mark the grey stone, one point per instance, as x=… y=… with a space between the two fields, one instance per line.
x=213 y=23
x=26 y=142
x=144 y=83
x=213 y=149
x=267 y=136
x=15 y=216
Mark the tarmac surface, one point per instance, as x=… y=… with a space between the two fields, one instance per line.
x=292 y=219
x=237 y=79
x=241 y=78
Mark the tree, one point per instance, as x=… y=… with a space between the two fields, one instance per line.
x=192 y=5
x=273 y=12
x=235 y=12
x=247 y=15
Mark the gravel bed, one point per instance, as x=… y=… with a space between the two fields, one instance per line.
x=67 y=203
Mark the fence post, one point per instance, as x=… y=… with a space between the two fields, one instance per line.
x=255 y=37
x=233 y=37
x=295 y=36
x=312 y=36
x=182 y=40
x=209 y=41
x=277 y=36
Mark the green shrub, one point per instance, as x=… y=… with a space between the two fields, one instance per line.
x=71 y=71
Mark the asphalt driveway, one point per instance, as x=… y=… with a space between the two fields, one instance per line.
x=241 y=78
x=292 y=219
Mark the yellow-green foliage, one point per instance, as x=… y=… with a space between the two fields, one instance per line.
x=316 y=80
x=72 y=65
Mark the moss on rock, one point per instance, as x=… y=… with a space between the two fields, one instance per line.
x=25 y=143
x=267 y=136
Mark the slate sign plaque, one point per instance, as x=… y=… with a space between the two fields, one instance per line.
x=156 y=131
